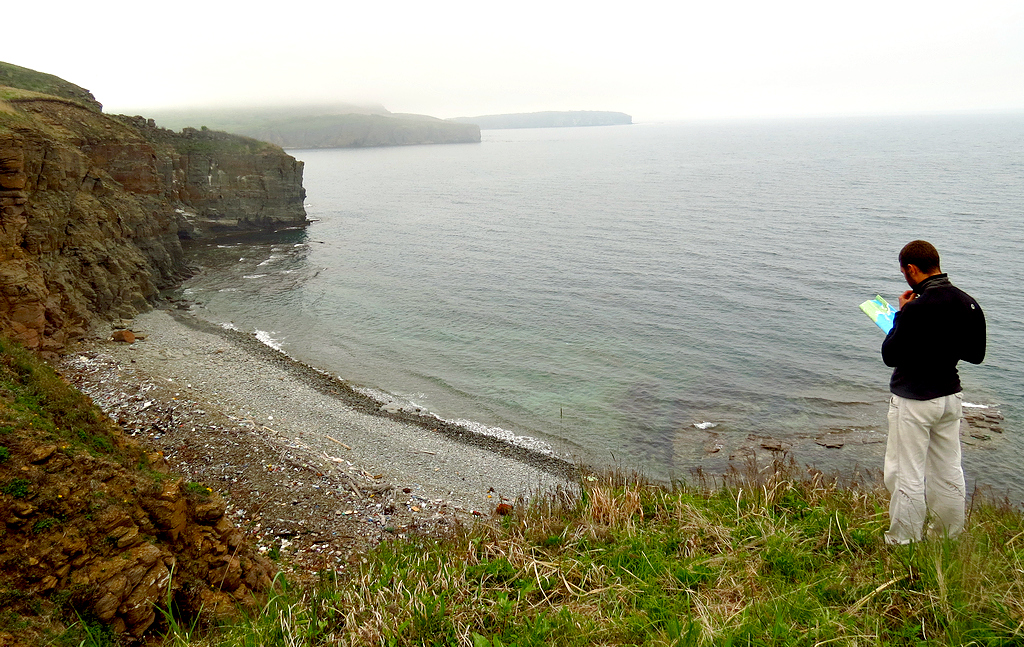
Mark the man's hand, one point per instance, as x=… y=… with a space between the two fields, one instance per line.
x=906 y=298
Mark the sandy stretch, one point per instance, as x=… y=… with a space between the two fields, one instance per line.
x=306 y=461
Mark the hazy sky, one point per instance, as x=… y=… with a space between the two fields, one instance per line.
x=654 y=60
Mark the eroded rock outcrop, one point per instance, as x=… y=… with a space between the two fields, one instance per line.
x=93 y=207
x=119 y=544
x=90 y=519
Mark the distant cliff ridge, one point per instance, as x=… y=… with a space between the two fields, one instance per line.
x=343 y=126
x=547 y=119
x=93 y=207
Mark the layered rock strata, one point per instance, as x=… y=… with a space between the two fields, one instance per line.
x=119 y=544
x=93 y=208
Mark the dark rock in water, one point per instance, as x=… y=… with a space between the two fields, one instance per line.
x=831 y=441
x=775 y=445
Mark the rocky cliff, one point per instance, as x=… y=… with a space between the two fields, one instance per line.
x=93 y=208
x=93 y=526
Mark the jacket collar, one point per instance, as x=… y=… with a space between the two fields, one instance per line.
x=933 y=281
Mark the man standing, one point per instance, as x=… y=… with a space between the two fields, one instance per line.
x=937 y=325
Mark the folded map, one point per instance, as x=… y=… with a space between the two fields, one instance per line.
x=879 y=311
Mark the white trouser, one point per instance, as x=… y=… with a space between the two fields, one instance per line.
x=922 y=468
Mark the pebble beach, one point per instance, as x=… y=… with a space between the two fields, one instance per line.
x=311 y=468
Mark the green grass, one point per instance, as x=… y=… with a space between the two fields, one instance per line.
x=42 y=83
x=35 y=398
x=17 y=488
x=774 y=557
x=198 y=490
x=780 y=558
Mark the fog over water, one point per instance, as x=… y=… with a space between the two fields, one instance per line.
x=651 y=59
x=605 y=290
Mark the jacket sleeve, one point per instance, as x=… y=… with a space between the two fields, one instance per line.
x=897 y=342
x=974 y=342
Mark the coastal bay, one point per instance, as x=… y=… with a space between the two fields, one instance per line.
x=608 y=290
x=306 y=463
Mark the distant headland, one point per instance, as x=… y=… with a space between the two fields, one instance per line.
x=549 y=119
x=332 y=126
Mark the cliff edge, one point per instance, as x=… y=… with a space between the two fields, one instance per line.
x=93 y=207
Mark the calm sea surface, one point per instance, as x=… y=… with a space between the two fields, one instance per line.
x=603 y=290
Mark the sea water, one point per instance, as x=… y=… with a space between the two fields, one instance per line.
x=613 y=293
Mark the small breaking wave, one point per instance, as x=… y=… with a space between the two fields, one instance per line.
x=504 y=435
x=392 y=403
x=266 y=338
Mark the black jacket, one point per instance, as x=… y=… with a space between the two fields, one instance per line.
x=941 y=326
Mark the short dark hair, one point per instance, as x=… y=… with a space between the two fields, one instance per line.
x=920 y=253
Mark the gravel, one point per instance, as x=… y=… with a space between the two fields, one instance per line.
x=310 y=466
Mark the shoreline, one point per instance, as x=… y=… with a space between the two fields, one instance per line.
x=340 y=389
x=314 y=467
x=310 y=466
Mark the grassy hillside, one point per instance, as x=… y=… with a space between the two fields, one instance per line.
x=26 y=79
x=776 y=557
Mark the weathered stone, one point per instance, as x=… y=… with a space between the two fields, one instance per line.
x=138 y=610
x=112 y=518
x=13 y=180
x=218 y=604
x=128 y=536
x=22 y=508
x=106 y=606
x=168 y=516
x=227 y=575
x=223 y=527
x=42 y=453
x=125 y=336
x=211 y=509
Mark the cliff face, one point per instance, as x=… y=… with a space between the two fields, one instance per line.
x=226 y=183
x=92 y=208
